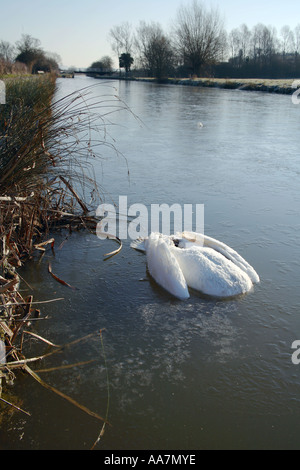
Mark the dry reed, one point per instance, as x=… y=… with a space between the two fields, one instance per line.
x=46 y=152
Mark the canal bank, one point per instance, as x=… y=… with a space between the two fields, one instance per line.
x=37 y=179
x=254 y=84
x=281 y=86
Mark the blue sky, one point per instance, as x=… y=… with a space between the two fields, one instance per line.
x=78 y=29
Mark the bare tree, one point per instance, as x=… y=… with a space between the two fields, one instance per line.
x=287 y=40
x=53 y=56
x=7 y=51
x=297 y=39
x=234 y=42
x=264 y=43
x=33 y=56
x=198 y=35
x=29 y=51
x=245 y=35
x=121 y=39
x=28 y=44
x=239 y=40
x=105 y=64
x=154 y=49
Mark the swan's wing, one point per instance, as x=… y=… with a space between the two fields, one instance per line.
x=225 y=250
x=233 y=256
x=210 y=272
x=164 y=268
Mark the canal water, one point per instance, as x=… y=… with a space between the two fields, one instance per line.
x=197 y=374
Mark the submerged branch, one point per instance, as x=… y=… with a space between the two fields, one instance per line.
x=63 y=395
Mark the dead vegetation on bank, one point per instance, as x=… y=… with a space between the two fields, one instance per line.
x=46 y=153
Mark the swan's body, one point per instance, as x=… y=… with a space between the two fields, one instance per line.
x=194 y=260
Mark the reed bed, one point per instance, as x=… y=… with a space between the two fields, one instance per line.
x=47 y=149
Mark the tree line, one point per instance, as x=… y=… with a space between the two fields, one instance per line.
x=198 y=45
x=27 y=56
x=263 y=51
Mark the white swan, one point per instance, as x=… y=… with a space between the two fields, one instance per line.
x=194 y=260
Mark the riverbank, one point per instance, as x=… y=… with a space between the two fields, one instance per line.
x=40 y=163
x=255 y=84
x=282 y=86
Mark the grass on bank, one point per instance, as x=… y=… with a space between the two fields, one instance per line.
x=282 y=86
